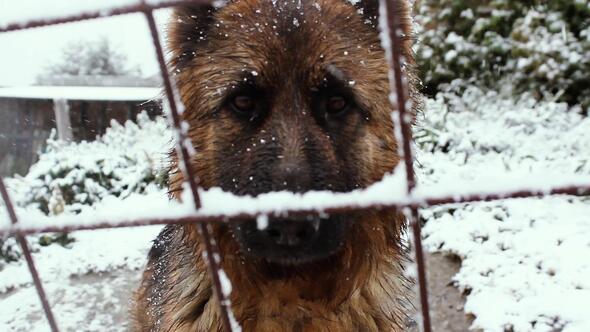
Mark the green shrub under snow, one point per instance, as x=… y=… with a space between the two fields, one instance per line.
x=9 y=250
x=125 y=160
x=536 y=46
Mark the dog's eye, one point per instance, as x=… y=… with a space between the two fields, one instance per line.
x=336 y=105
x=243 y=104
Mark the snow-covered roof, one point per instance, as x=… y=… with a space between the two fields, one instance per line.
x=81 y=93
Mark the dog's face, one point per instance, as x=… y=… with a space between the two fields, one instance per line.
x=285 y=95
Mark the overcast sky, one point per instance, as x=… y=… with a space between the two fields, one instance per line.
x=24 y=54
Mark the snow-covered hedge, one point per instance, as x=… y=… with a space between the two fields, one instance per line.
x=9 y=250
x=488 y=129
x=125 y=160
x=537 y=46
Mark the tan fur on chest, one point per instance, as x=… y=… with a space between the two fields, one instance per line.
x=362 y=293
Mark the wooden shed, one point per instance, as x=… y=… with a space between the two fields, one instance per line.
x=29 y=113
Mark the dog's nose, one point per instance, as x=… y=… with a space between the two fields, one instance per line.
x=293 y=177
x=289 y=233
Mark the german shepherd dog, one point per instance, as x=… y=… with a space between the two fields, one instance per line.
x=284 y=95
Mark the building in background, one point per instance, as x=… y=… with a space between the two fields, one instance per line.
x=79 y=107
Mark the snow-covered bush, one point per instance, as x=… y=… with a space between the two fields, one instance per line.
x=537 y=46
x=9 y=250
x=125 y=160
x=482 y=126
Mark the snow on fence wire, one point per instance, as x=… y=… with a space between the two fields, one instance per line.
x=395 y=191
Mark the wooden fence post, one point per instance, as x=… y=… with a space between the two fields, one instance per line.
x=62 y=119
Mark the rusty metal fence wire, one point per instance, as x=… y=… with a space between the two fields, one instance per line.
x=391 y=40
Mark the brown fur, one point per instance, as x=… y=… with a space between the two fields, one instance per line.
x=362 y=287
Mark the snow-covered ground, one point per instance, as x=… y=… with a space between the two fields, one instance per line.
x=81 y=299
x=524 y=262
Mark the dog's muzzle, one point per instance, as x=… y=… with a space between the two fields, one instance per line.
x=293 y=240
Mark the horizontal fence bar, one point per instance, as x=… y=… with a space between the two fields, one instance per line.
x=421 y=203
x=91 y=15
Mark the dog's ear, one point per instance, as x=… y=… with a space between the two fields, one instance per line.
x=187 y=31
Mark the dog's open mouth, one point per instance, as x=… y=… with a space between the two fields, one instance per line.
x=292 y=240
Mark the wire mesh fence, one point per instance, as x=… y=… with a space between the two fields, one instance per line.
x=390 y=25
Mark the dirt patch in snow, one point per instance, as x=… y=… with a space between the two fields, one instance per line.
x=446 y=302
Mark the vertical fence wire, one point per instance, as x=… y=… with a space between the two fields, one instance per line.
x=391 y=21
x=29 y=258
x=211 y=248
